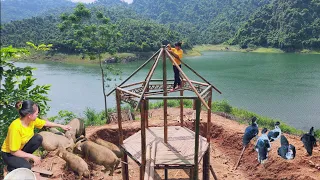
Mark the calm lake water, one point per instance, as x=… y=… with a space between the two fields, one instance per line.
x=282 y=86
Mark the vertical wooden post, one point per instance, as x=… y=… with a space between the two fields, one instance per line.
x=181 y=105
x=165 y=104
x=206 y=158
x=143 y=138
x=196 y=146
x=209 y=116
x=124 y=166
x=147 y=113
x=118 y=99
x=166 y=174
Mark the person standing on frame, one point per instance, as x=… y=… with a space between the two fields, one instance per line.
x=20 y=143
x=177 y=52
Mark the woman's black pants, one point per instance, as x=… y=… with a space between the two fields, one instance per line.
x=14 y=162
x=177 y=80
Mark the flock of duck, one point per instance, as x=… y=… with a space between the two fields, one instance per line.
x=263 y=143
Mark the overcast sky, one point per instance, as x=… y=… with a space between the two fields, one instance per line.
x=89 y=1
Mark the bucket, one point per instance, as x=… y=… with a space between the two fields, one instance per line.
x=20 y=174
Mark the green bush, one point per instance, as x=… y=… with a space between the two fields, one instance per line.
x=221 y=106
x=17 y=84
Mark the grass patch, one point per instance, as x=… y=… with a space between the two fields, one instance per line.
x=308 y=51
x=72 y=58
x=267 y=50
x=241 y=115
x=217 y=47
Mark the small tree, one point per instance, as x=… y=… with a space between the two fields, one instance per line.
x=17 y=84
x=93 y=39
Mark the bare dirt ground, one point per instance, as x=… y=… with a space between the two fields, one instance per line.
x=226 y=145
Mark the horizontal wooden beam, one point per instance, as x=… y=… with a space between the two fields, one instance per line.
x=171 y=97
x=128 y=92
x=133 y=84
x=161 y=80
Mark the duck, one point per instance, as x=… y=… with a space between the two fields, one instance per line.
x=250 y=132
x=286 y=150
x=309 y=141
x=275 y=133
x=263 y=146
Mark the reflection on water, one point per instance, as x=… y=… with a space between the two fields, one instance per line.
x=283 y=86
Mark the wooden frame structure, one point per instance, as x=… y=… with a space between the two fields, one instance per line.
x=138 y=95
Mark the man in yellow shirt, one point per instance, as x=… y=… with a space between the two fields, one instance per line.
x=21 y=141
x=177 y=52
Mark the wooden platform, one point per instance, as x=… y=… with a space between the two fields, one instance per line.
x=178 y=152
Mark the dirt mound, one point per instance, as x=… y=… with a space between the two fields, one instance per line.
x=226 y=145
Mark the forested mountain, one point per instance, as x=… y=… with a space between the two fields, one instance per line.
x=21 y=9
x=203 y=22
x=138 y=34
x=284 y=24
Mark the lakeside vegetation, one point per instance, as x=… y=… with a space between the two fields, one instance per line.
x=94 y=118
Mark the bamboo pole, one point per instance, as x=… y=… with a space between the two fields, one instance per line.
x=148 y=161
x=200 y=76
x=206 y=164
x=171 y=97
x=124 y=166
x=181 y=105
x=148 y=78
x=205 y=90
x=118 y=99
x=128 y=92
x=133 y=84
x=213 y=173
x=184 y=75
x=197 y=82
x=196 y=146
x=165 y=102
x=160 y=80
x=143 y=140
x=144 y=64
x=241 y=154
x=206 y=159
x=153 y=159
x=209 y=117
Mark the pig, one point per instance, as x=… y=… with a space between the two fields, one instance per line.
x=98 y=154
x=55 y=131
x=74 y=162
x=53 y=141
x=77 y=129
x=115 y=149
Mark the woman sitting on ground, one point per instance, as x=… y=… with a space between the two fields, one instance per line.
x=21 y=141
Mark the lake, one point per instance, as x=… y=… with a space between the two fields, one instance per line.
x=282 y=86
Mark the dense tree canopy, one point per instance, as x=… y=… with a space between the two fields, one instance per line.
x=203 y=22
x=138 y=34
x=21 y=9
x=288 y=25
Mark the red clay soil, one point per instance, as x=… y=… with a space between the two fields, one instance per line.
x=226 y=145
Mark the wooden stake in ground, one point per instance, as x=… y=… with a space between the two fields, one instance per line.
x=236 y=166
x=213 y=173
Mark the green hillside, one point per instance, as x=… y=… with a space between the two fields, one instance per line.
x=289 y=25
x=203 y=22
x=138 y=34
x=21 y=9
